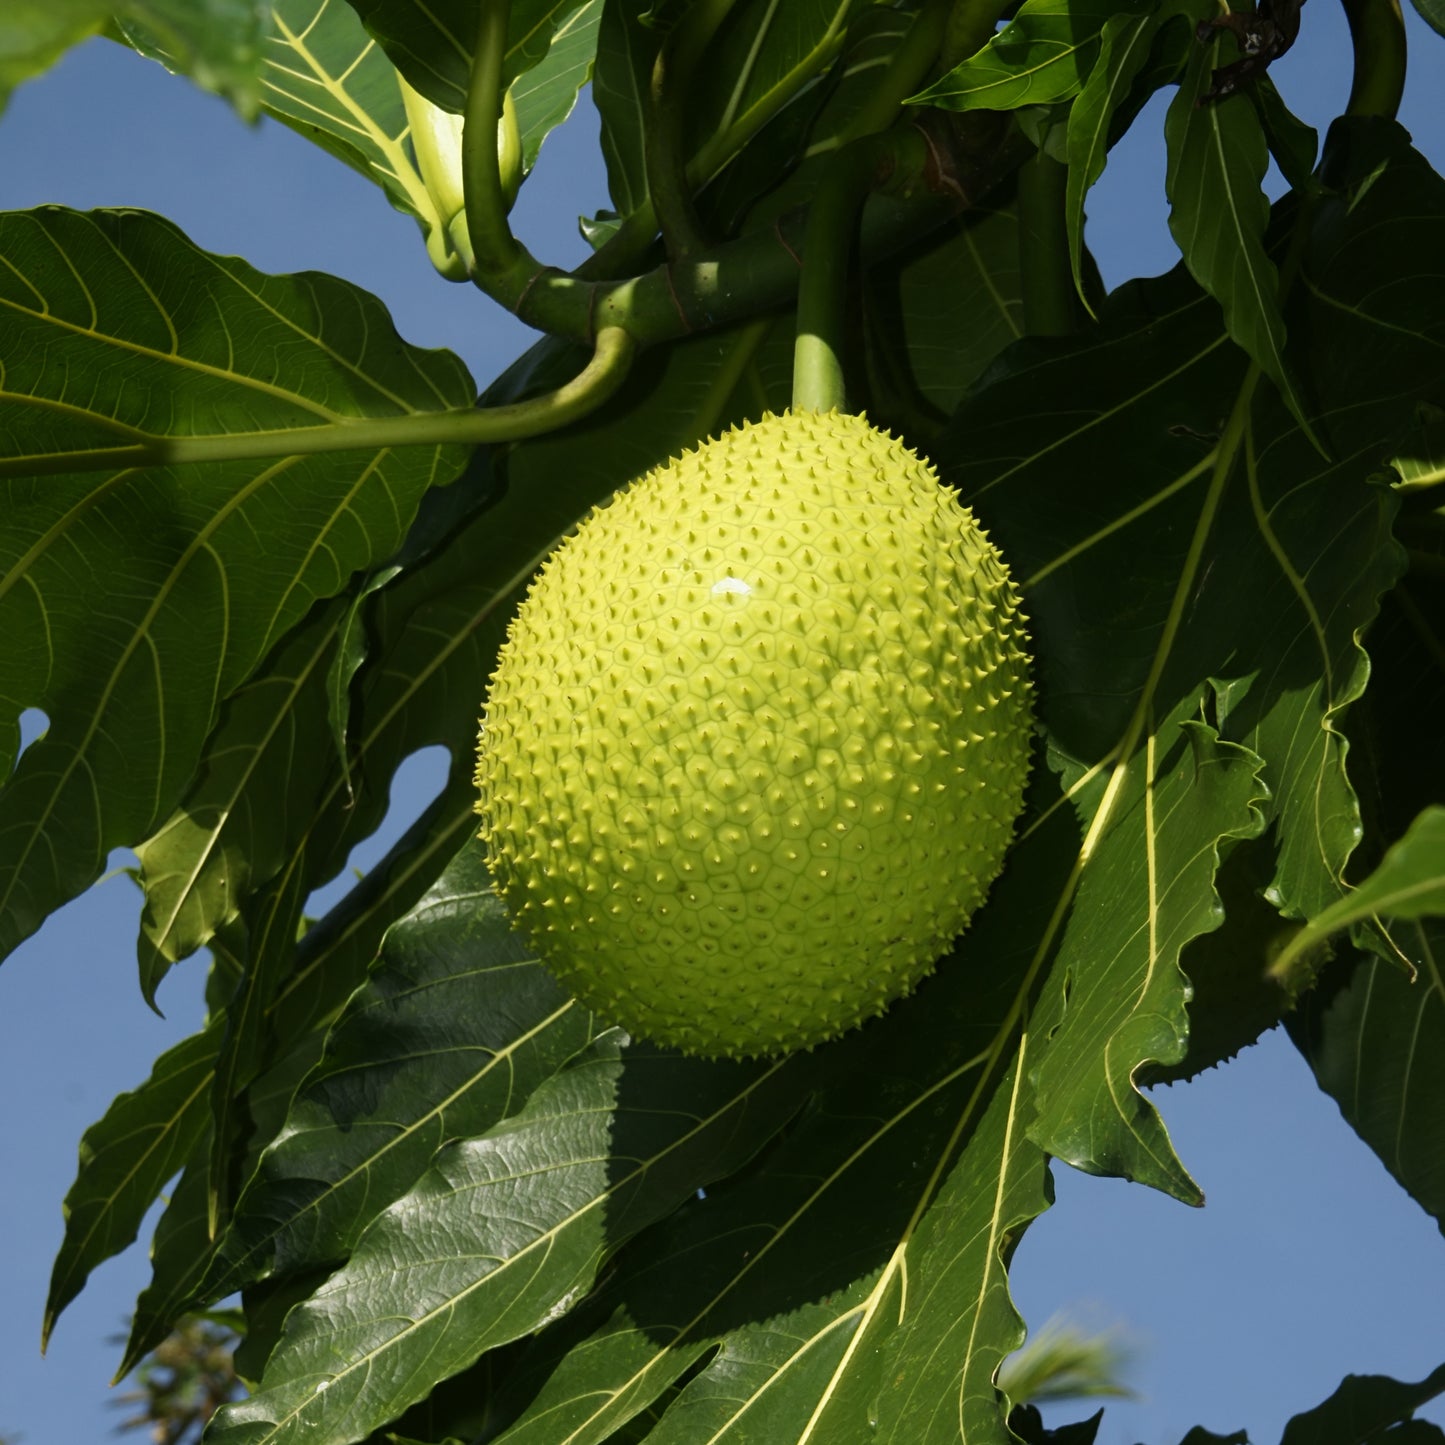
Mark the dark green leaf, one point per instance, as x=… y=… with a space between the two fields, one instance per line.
x=506 y=1231
x=1432 y=12
x=455 y=1028
x=1376 y=1043
x=1233 y=1000
x=1200 y=1436
x=350 y=653
x=1124 y=45
x=116 y=326
x=789 y=131
x=270 y=919
x=1026 y=1422
x=626 y=50
x=810 y=1294
x=1361 y=1410
x=1409 y=883
x=126 y=1159
x=937 y=319
x=1218 y=215
x=760 y=71
x=431 y=43
x=1045 y=53
x=179 y=1251
x=1293 y=144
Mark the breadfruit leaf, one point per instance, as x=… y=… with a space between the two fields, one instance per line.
x=189 y=572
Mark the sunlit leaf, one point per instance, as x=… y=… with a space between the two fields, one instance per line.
x=788 y=1296
x=326 y=78
x=1229 y=532
x=1409 y=883
x=1121 y=999
x=228 y=833
x=455 y=1028
x=118 y=330
x=506 y=1230
x=1044 y=54
x=545 y=94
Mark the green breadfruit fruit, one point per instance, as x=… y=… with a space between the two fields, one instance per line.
x=757 y=738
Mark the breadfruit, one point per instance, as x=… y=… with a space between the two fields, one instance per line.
x=756 y=740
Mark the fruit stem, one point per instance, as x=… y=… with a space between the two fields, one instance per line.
x=495 y=249
x=832 y=228
x=1377 y=33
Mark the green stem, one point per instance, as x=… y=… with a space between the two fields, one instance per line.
x=667 y=181
x=495 y=248
x=635 y=234
x=1377 y=32
x=758 y=272
x=1048 y=281
x=906 y=72
x=468 y=427
x=828 y=243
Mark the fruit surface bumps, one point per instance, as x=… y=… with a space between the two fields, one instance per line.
x=756 y=740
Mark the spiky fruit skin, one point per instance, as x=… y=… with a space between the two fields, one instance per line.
x=757 y=738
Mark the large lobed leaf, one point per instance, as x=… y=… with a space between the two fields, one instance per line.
x=135 y=600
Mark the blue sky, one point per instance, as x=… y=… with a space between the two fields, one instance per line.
x=1308 y=1261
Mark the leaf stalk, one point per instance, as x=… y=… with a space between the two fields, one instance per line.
x=1377 y=33
x=668 y=184
x=495 y=250
x=604 y=373
x=1044 y=259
